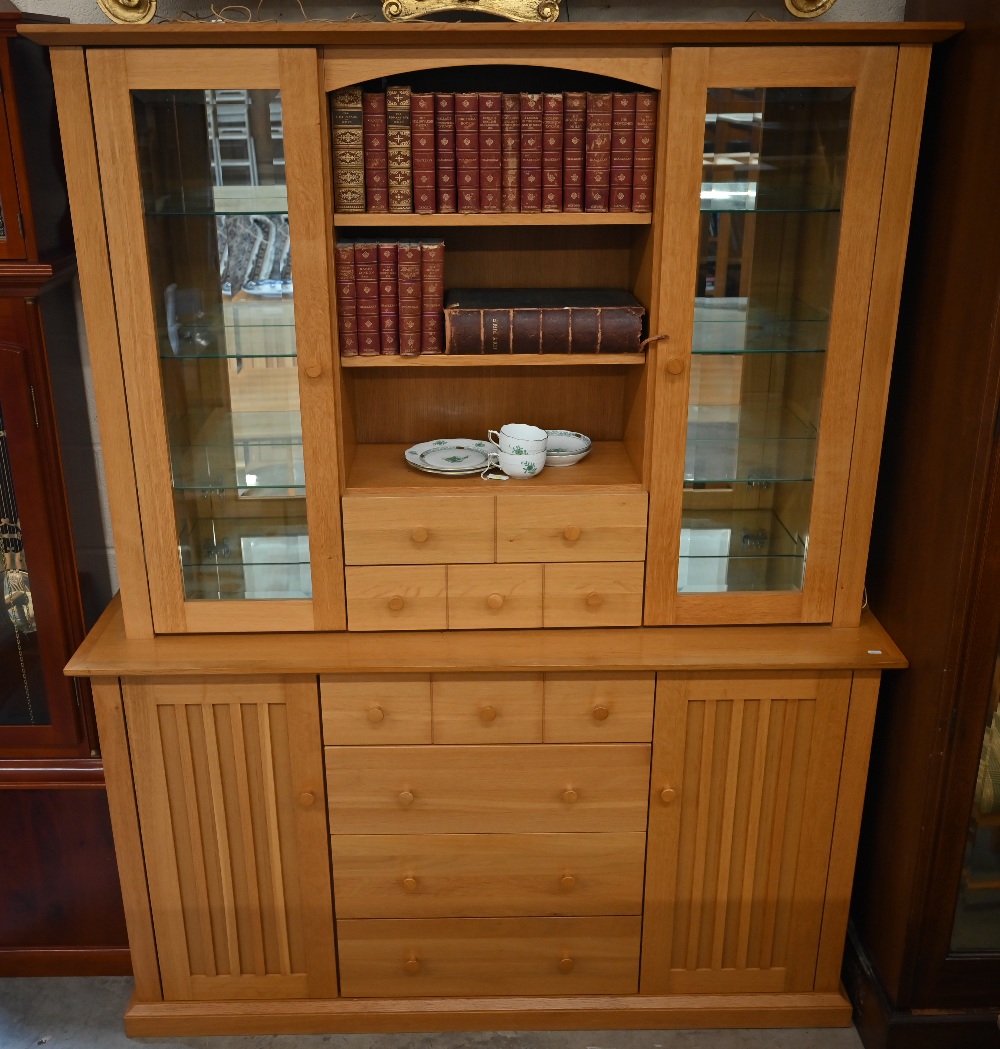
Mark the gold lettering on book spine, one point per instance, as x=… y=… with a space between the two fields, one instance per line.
x=515 y=10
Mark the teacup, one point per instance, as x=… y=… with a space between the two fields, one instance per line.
x=519 y=439
x=521 y=465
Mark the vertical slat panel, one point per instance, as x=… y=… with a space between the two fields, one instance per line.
x=701 y=836
x=726 y=838
x=691 y=766
x=273 y=839
x=753 y=828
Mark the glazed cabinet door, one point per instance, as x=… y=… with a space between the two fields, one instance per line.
x=744 y=793
x=214 y=178
x=774 y=175
x=229 y=784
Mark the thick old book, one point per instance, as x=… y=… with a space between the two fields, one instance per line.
x=467 y=151
x=376 y=157
x=622 y=149
x=347 y=298
x=432 y=297
x=644 y=155
x=398 y=142
x=510 y=141
x=444 y=130
x=388 y=298
x=348 y=151
x=422 y=140
x=597 y=177
x=366 y=276
x=542 y=320
x=532 y=120
x=574 y=148
x=410 y=295
x=490 y=151
x=552 y=152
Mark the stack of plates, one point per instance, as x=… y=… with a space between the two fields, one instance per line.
x=456 y=457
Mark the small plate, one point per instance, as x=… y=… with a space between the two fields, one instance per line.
x=457 y=457
x=565 y=447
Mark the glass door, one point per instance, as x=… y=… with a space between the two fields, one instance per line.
x=763 y=364
x=233 y=359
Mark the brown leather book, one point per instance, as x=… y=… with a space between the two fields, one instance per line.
x=348 y=151
x=347 y=298
x=376 y=157
x=574 y=148
x=388 y=298
x=422 y=142
x=542 y=320
x=597 y=177
x=366 y=276
x=410 y=295
x=552 y=152
x=398 y=142
x=510 y=161
x=532 y=118
x=432 y=297
x=467 y=152
x=622 y=149
x=444 y=131
x=644 y=156
x=490 y=151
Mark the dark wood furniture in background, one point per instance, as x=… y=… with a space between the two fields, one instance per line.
x=60 y=904
x=934 y=581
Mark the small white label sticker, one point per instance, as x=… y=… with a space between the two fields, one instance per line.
x=874 y=651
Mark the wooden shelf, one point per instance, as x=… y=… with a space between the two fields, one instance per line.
x=380 y=469
x=555 y=218
x=492 y=360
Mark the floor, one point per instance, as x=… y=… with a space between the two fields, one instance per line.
x=77 y=1013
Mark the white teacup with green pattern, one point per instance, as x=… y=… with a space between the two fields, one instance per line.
x=520 y=439
x=521 y=465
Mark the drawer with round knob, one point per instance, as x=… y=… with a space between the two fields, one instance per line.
x=489 y=597
x=591 y=708
x=593 y=594
x=474 y=957
x=397 y=597
x=376 y=708
x=418 y=529
x=487 y=875
x=487 y=708
x=510 y=789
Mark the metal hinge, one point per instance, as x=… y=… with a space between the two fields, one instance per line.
x=34 y=406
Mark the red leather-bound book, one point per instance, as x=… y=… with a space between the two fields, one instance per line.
x=376 y=157
x=397 y=108
x=388 y=298
x=348 y=151
x=510 y=170
x=622 y=148
x=574 y=148
x=552 y=152
x=467 y=151
x=444 y=152
x=532 y=118
x=410 y=293
x=490 y=151
x=422 y=141
x=432 y=297
x=597 y=177
x=347 y=298
x=366 y=277
x=644 y=155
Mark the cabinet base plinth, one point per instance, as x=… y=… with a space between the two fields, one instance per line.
x=353 y=1015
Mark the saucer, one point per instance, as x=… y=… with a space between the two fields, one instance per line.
x=456 y=457
x=565 y=447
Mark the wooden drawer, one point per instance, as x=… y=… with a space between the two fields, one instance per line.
x=487 y=708
x=376 y=709
x=398 y=597
x=418 y=529
x=491 y=790
x=591 y=708
x=480 y=957
x=487 y=875
x=571 y=527
x=486 y=597
x=597 y=594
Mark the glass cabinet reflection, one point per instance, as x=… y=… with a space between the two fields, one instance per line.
x=219 y=246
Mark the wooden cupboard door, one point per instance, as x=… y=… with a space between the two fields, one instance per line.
x=743 y=796
x=229 y=784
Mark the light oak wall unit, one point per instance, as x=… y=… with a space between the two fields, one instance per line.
x=361 y=782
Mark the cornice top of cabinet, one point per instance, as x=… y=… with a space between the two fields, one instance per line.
x=350 y=34
x=108 y=653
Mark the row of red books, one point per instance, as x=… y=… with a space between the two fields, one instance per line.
x=491 y=152
x=390 y=297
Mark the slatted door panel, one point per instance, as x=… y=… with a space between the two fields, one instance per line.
x=229 y=781
x=743 y=797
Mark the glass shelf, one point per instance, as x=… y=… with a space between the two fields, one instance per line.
x=251 y=558
x=742 y=197
x=729 y=325
x=220 y=342
x=271 y=201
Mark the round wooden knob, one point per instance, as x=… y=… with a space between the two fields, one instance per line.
x=571 y=533
x=488 y=713
x=406 y=798
x=667 y=795
x=307 y=798
x=314 y=371
x=396 y=603
x=419 y=535
x=412 y=965
x=375 y=715
x=594 y=600
x=565 y=964
x=569 y=796
x=675 y=365
x=566 y=882
x=601 y=713
x=495 y=600
x=409 y=883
